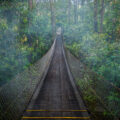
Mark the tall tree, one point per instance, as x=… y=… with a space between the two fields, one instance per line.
x=82 y=2
x=75 y=12
x=96 y=15
x=30 y=4
x=69 y=11
x=102 y=15
x=52 y=17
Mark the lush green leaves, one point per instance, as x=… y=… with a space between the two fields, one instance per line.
x=25 y=38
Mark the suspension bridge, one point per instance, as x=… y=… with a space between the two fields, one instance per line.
x=47 y=90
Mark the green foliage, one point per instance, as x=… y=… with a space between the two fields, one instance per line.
x=25 y=38
x=100 y=51
x=102 y=56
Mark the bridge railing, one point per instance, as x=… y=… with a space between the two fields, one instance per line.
x=16 y=94
x=92 y=84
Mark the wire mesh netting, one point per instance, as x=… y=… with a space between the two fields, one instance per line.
x=94 y=87
x=16 y=94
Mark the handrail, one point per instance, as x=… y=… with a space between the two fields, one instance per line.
x=16 y=94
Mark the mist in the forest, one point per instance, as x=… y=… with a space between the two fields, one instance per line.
x=90 y=32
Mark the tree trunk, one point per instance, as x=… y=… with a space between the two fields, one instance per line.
x=69 y=13
x=52 y=18
x=30 y=4
x=75 y=12
x=96 y=15
x=82 y=2
x=82 y=15
x=102 y=15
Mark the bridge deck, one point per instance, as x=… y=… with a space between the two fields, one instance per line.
x=56 y=98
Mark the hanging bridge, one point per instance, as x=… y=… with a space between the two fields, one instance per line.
x=47 y=90
x=56 y=97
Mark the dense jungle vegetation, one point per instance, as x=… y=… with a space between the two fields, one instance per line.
x=91 y=31
x=25 y=36
x=95 y=37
